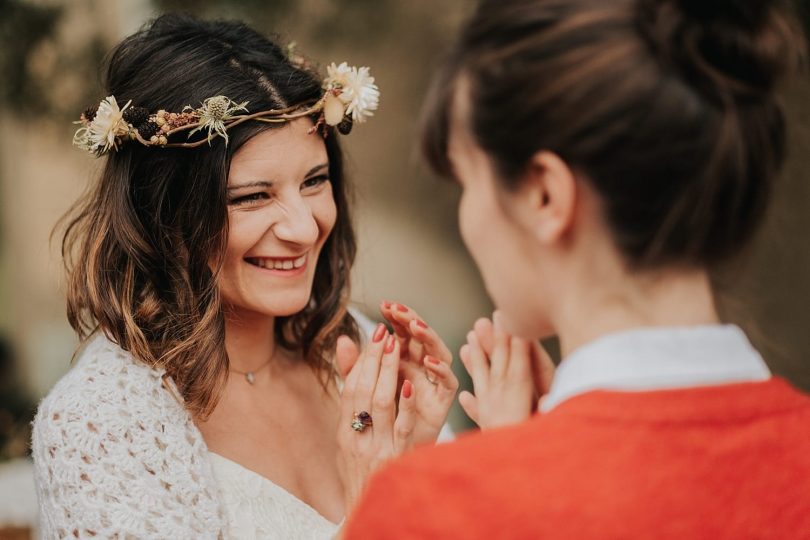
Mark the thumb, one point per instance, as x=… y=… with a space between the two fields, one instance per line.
x=469 y=403
x=346 y=354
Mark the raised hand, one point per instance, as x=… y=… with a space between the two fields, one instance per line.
x=426 y=362
x=509 y=375
x=371 y=429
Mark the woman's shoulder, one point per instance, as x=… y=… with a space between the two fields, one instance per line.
x=104 y=378
x=109 y=394
x=109 y=440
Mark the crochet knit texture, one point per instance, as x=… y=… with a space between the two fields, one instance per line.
x=117 y=456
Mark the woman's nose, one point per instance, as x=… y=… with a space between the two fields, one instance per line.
x=296 y=223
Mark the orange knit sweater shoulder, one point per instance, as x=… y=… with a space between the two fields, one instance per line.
x=722 y=462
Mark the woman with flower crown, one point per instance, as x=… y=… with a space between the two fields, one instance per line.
x=221 y=391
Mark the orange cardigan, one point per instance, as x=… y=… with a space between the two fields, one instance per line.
x=721 y=462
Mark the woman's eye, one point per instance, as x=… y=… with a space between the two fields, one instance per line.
x=248 y=199
x=314 y=181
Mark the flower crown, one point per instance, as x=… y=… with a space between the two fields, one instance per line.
x=350 y=95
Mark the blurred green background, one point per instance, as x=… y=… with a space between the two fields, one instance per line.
x=410 y=250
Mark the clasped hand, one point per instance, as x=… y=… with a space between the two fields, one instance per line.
x=509 y=374
x=404 y=382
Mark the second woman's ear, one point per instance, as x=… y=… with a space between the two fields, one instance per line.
x=547 y=198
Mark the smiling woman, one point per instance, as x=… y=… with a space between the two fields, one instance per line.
x=209 y=275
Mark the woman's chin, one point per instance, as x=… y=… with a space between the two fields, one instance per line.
x=276 y=308
x=526 y=324
x=281 y=311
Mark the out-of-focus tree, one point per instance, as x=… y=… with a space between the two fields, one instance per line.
x=23 y=27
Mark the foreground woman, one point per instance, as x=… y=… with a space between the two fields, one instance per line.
x=610 y=154
x=209 y=271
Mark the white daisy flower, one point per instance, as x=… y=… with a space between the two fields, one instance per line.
x=214 y=112
x=107 y=126
x=355 y=88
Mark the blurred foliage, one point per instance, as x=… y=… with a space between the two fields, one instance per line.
x=34 y=62
x=17 y=408
x=363 y=20
x=258 y=12
x=22 y=27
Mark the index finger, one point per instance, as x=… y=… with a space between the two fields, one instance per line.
x=485 y=331
x=430 y=340
x=390 y=311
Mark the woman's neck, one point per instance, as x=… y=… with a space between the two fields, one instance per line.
x=625 y=301
x=249 y=340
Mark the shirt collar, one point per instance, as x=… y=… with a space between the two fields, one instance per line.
x=656 y=359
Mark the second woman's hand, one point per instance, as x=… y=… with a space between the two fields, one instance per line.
x=509 y=375
x=372 y=429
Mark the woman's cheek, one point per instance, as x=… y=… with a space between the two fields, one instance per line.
x=470 y=217
x=324 y=211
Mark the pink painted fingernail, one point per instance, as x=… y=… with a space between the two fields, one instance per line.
x=401 y=308
x=389 y=345
x=422 y=324
x=379 y=333
x=432 y=360
x=386 y=304
x=407 y=389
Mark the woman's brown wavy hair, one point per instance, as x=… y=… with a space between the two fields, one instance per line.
x=138 y=249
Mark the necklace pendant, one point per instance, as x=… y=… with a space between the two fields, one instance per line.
x=250 y=377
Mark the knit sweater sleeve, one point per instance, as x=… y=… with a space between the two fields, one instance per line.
x=116 y=456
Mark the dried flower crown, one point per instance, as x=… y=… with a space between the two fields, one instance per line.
x=350 y=96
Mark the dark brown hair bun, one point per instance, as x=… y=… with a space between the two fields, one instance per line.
x=726 y=48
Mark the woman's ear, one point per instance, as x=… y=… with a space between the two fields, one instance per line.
x=548 y=196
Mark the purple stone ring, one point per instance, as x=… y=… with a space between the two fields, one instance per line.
x=361 y=421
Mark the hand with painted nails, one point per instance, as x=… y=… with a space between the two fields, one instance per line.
x=372 y=428
x=509 y=375
x=426 y=362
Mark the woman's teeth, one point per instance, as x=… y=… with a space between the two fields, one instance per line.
x=276 y=264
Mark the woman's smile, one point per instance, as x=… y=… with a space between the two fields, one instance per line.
x=280 y=266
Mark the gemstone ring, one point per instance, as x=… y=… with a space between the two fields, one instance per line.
x=361 y=421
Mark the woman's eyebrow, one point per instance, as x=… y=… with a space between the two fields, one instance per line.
x=268 y=184
x=257 y=183
x=316 y=168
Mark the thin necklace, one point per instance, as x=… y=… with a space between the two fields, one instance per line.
x=250 y=376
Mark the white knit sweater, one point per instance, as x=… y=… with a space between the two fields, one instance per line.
x=117 y=456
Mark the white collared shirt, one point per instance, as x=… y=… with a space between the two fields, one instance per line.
x=657 y=359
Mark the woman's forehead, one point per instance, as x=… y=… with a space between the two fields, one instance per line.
x=282 y=154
